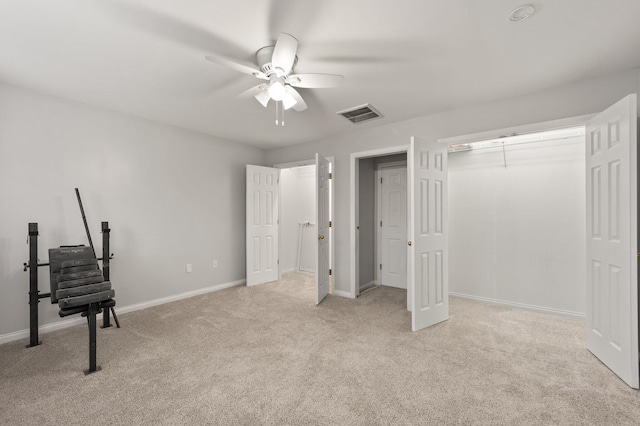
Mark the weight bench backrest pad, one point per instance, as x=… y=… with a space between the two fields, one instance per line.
x=59 y=255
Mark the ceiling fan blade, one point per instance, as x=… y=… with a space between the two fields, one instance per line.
x=284 y=53
x=315 y=81
x=300 y=105
x=252 y=92
x=237 y=66
x=167 y=26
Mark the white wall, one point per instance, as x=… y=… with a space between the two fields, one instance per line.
x=571 y=100
x=366 y=221
x=297 y=202
x=171 y=197
x=517 y=233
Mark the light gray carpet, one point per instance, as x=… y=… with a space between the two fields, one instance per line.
x=267 y=355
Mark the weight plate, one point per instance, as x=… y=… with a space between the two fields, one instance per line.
x=83 y=289
x=83 y=281
x=78 y=275
x=71 y=311
x=78 y=262
x=105 y=304
x=71 y=302
x=75 y=269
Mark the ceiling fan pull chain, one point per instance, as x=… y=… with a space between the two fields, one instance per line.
x=276 y=102
x=282 y=121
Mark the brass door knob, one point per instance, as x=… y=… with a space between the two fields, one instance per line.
x=409 y=243
x=321 y=237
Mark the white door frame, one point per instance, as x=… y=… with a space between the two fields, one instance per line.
x=353 y=210
x=312 y=162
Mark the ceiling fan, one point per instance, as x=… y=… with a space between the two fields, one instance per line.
x=275 y=66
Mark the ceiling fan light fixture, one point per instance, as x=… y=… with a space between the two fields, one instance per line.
x=276 y=90
x=263 y=97
x=288 y=101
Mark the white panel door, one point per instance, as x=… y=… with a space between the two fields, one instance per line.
x=612 y=246
x=428 y=252
x=393 y=227
x=262 y=224
x=322 y=222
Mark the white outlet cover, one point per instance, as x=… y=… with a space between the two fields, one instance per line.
x=189 y=267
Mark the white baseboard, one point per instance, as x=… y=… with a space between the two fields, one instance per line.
x=186 y=295
x=43 y=329
x=342 y=294
x=516 y=305
x=69 y=322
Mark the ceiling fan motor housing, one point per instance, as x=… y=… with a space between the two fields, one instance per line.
x=263 y=58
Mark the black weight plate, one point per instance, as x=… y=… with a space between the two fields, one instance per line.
x=78 y=309
x=63 y=254
x=83 y=281
x=71 y=302
x=107 y=303
x=78 y=262
x=78 y=276
x=75 y=269
x=83 y=289
x=71 y=311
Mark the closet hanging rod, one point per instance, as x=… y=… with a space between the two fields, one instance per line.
x=515 y=139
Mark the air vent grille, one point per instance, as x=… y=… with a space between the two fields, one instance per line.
x=360 y=114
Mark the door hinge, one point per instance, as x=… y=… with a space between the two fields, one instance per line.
x=330 y=224
x=380 y=180
x=381 y=266
x=330 y=272
x=380 y=224
x=330 y=175
x=278 y=261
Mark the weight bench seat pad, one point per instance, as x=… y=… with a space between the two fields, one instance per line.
x=86 y=299
x=78 y=309
x=83 y=289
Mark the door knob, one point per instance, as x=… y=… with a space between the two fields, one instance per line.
x=409 y=243
x=320 y=237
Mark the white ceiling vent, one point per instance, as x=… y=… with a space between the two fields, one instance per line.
x=360 y=114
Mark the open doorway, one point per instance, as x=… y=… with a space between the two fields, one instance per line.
x=298 y=230
x=263 y=217
x=524 y=219
x=382 y=222
x=426 y=242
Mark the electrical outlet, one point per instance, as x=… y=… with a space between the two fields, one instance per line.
x=215 y=263
x=189 y=268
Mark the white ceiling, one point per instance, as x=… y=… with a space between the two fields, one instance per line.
x=407 y=58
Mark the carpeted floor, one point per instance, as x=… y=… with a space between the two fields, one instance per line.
x=268 y=355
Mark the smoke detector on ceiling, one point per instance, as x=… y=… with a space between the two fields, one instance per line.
x=522 y=13
x=360 y=114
